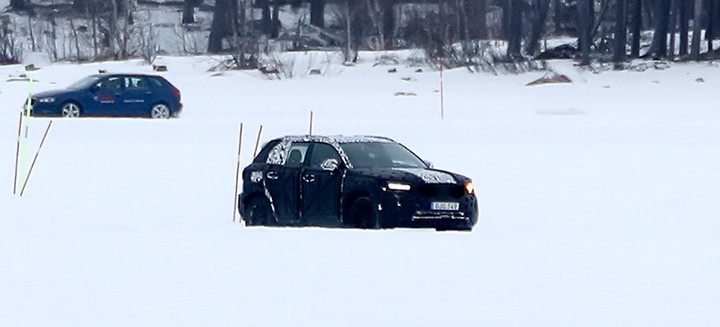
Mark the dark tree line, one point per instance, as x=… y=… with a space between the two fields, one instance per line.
x=606 y=30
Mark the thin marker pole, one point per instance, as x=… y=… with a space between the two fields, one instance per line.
x=17 y=153
x=257 y=142
x=27 y=111
x=442 y=94
x=311 y=121
x=47 y=130
x=237 y=172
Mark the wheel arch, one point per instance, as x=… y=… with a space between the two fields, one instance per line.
x=73 y=101
x=162 y=102
x=348 y=199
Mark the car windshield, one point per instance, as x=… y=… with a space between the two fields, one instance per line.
x=84 y=83
x=381 y=155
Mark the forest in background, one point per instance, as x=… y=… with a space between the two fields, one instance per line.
x=454 y=32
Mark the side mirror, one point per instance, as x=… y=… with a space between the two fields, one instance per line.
x=429 y=164
x=330 y=165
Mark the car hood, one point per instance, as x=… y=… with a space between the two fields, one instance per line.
x=52 y=93
x=413 y=175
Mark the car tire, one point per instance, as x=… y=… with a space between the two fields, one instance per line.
x=70 y=110
x=259 y=212
x=160 y=111
x=363 y=214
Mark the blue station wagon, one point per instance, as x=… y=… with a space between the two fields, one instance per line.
x=123 y=95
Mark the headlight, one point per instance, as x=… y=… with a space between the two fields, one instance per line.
x=469 y=187
x=46 y=100
x=395 y=186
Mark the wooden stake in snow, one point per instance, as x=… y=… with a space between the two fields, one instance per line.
x=237 y=172
x=17 y=154
x=32 y=165
x=257 y=142
x=311 y=122
x=442 y=93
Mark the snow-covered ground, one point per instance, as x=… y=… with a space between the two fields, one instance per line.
x=600 y=203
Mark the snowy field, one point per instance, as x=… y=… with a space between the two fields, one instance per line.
x=600 y=203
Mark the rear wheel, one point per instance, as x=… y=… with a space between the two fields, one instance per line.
x=70 y=110
x=362 y=213
x=259 y=212
x=160 y=111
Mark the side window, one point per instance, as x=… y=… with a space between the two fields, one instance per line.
x=111 y=83
x=296 y=154
x=322 y=152
x=136 y=82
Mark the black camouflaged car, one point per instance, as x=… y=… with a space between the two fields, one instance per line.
x=352 y=181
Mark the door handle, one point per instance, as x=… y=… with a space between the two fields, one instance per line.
x=272 y=175
x=308 y=178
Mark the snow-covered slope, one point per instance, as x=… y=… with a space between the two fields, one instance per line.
x=599 y=203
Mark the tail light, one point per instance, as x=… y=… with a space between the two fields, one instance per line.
x=177 y=93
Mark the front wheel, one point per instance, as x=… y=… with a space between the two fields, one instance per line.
x=363 y=214
x=70 y=110
x=160 y=111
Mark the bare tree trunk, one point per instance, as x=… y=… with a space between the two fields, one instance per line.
x=388 y=16
x=374 y=12
x=636 y=28
x=81 y=5
x=348 y=29
x=188 y=15
x=32 y=35
x=221 y=25
x=53 y=36
x=620 y=32
x=127 y=15
x=673 y=28
x=695 y=46
x=77 y=42
x=585 y=28
x=482 y=19
x=113 y=27
x=541 y=8
x=683 y=12
x=317 y=13
x=19 y=4
x=93 y=15
x=514 y=29
x=710 y=30
x=557 y=16
x=659 y=45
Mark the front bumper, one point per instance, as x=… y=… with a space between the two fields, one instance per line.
x=398 y=209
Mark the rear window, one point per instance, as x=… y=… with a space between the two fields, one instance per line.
x=157 y=81
x=262 y=156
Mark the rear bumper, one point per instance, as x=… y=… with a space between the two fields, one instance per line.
x=177 y=110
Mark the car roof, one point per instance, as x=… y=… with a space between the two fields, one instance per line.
x=125 y=74
x=336 y=139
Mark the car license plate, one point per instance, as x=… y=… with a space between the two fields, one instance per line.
x=445 y=206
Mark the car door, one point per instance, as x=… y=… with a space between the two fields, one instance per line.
x=320 y=186
x=283 y=183
x=107 y=97
x=137 y=96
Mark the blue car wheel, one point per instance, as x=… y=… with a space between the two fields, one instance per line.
x=70 y=110
x=160 y=111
